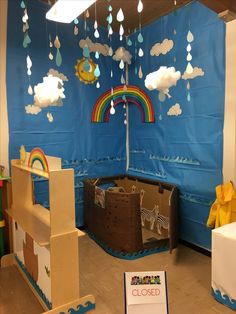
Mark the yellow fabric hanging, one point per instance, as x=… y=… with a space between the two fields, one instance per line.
x=223 y=210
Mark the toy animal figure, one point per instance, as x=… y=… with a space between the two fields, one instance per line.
x=162 y=221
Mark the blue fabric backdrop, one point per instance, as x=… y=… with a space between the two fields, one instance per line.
x=92 y=149
x=185 y=150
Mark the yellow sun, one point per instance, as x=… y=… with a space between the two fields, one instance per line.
x=87 y=77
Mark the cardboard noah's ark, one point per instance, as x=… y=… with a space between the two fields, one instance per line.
x=128 y=215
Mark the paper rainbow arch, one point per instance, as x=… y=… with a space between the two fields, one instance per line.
x=38 y=155
x=133 y=94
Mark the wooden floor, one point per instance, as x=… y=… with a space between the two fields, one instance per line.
x=188 y=279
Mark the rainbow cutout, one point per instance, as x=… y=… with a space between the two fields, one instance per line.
x=133 y=94
x=37 y=154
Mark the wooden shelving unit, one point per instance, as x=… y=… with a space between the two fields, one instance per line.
x=46 y=242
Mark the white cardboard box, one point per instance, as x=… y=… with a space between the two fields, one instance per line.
x=146 y=292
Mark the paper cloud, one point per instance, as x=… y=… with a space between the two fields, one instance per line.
x=196 y=72
x=162 y=48
x=32 y=109
x=175 y=110
x=93 y=47
x=122 y=54
x=57 y=74
x=162 y=79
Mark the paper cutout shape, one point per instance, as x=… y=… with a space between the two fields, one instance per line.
x=87 y=77
x=162 y=48
x=93 y=47
x=175 y=110
x=133 y=95
x=37 y=154
x=196 y=72
x=122 y=54
x=162 y=79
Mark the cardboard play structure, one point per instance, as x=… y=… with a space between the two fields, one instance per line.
x=46 y=242
x=129 y=215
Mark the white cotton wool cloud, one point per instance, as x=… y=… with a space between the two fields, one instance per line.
x=122 y=54
x=175 y=110
x=49 y=92
x=162 y=79
x=162 y=48
x=195 y=73
x=93 y=47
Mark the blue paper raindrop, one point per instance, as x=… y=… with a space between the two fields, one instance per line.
x=86 y=66
x=76 y=21
x=109 y=18
x=140 y=38
x=86 y=52
x=110 y=8
x=97 y=55
x=22 y=5
x=26 y=41
x=129 y=42
x=97 y=71
x=188 y=97
x=58 y=58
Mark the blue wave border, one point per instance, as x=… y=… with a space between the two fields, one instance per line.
x=224 y=299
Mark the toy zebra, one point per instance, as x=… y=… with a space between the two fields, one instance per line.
x=153 y=216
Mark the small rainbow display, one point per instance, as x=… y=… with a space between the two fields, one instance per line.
x=133 y=94
x=37 y=154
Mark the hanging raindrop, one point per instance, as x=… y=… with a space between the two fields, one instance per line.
x=97 y=55
x=110 y=8
x=140 y=52
x=22 y=5
x=160 y=117
x=30 y=90
x=58 y=58
x=76 y=30
x=96 y=34
x=121 y=32
x=175 y=32
x=98 y=85
x=86 y=52
x=121 y=38
x=125 y=121
x=140 y=72
x=161 y=97
x=188 y=97
x=86 y=66
x=120 y=16
x=129 y=42
x=57 y=43
x=111 y=73
x=26 y=41
x=121 y=64
x=110 y=32
x=140 y=6
x=110 y=51
x=109 y=18
x=76 y=21
x=97 y=72
x=190 y=37
x=140 y=38
x=87 y=14
x=189 y=48
x=188 y=85
x=112 y=109
x=95 y=25
x=189 y=57
x=189 y=68
x=122 y=79
x=50 y=56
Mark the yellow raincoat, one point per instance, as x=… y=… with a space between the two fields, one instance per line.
x=223 y=210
